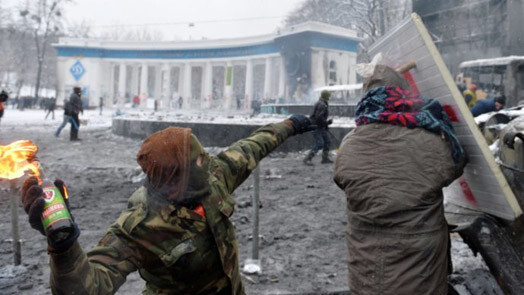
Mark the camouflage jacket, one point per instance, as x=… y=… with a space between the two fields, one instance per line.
x=176 y=250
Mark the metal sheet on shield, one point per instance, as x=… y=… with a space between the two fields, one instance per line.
x=482 y=187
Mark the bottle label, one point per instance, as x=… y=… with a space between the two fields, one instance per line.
x=54 y=208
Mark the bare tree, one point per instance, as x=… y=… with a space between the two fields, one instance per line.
x=15 y=65
x=370 y=18
x=138 y=34
x=321 y=11
x=317 y=10
x=4 y=15
x=43 y=19
x=17 y=51
x=80 y=29
x=4 y=53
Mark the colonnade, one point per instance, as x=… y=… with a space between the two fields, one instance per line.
x=130 y=78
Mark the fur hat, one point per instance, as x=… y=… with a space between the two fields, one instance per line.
x=385 y=76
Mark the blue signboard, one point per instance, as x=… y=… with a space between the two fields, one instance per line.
x=77 y=70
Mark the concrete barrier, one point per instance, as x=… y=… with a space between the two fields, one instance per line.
x=339 y=110
x=218 y=135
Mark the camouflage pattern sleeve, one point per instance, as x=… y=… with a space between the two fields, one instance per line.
x=237 y=162
x=101 y=271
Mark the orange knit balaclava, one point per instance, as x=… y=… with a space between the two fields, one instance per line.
x=168 y=158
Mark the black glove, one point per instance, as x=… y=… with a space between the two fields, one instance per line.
x=301 y=124
x=34 y=206
x=329 y=121
x=33 y=203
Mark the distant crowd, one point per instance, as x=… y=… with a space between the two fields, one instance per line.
x=28 y=102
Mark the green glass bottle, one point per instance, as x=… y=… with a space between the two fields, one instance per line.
x=56 y=219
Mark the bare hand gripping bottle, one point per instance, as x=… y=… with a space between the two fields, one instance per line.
x=56 y=219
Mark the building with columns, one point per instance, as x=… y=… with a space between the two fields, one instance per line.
x=203 y=74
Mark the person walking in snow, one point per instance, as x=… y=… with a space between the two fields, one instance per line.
x=177 y=230
x=50 y=107
x=180 y=102
x=66 y=118
x=319 y=117
x=100 y=104
x=3 y=99
x=76 y=108
x=392 y=168
x=136 y=101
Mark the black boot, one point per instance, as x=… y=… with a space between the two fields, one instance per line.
x=307 y=159
x=325 y=158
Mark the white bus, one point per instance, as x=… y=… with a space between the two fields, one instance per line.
x=502 y=75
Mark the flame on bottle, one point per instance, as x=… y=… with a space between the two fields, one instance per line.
x=17 y=158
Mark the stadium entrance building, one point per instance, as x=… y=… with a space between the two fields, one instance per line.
x=220 y=74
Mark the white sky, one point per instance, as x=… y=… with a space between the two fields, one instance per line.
x=106 y=14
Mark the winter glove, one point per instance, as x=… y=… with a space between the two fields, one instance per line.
x=34 y=206
x=33 y=203
x=301 y=124
x=330 y=121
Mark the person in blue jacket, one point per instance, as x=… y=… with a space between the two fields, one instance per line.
x=488 y=105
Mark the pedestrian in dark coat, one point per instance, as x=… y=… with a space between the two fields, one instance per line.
x=76 y=108
x=319 y=117
x=3 y=99
x=101 y=104
x=51 y=106
x=488 y=105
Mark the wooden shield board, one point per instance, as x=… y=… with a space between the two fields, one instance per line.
x=482 y=187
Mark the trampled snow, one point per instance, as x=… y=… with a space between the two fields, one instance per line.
x=35 y=118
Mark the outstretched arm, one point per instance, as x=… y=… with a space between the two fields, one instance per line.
x=242 y=157
x=237 y=162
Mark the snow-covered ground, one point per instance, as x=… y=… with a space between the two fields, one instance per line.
x=35 y=118
x=302 y=218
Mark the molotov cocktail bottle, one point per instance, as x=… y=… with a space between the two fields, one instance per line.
x=56 y=218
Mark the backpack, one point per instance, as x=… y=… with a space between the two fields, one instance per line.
x=68 y=108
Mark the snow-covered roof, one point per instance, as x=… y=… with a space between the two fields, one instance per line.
x=210 y=43
x=340 y=87
x=491 y=61
x=182 y=44
x=321 y=27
